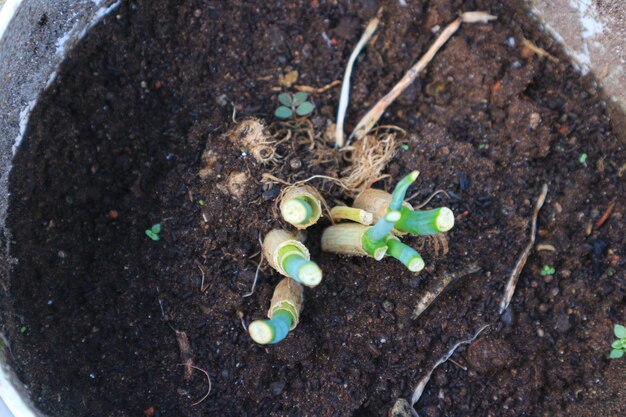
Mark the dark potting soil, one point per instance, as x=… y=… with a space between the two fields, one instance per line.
x=114 y=146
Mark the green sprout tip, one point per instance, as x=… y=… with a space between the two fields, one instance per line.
x=399 y=193
x=373 y=240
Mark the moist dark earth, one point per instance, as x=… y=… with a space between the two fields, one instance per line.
x=114 y=146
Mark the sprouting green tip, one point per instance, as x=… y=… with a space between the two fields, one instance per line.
x=373 y=240
x=302 y=270
x=271 y=331
x=399 y=193
x=296 y=211
x=427 y=222
x=405 y=254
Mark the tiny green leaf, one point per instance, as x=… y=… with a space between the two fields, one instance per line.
x=617 y=344
x=305 y=108
x=620 y=331
x=482 y=145
x=547 y=270
x=283 y=112
x=201 y=202
x=582 y=158
x=23 y=329
x=285 y=99
x=616 y=354
x=404 y=147
x=299 y=98
x=152 y=235
x=156 y=228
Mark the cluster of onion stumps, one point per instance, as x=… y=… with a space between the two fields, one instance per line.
x=375 y=224
x=393 y=218
x=301 y=206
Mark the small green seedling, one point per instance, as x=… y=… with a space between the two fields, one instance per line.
x=201 y=202
x=293 y=103
x=23 y=329
x=547 y=270
x=482 y=146
x=404 y=147
x=618 y=346
x=582 y=158
x=153 y=232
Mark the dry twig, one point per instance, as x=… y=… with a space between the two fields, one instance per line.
x=605 y=216
x=521 y=261
x=311 y=90
x=539 y=51
x=419 y=389
x=371 y=118
x=438 y=286
x=344 y=98
x=186 y=354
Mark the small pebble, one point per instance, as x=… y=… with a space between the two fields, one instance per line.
x=388 y=306
x=277 y=387
x=197 y=13
x=295 y=164
x=510 y=41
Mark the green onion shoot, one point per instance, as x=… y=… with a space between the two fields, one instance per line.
x=399 y=193
x=291 y=258
x=301 y=205
x=273 y=330
x=405 y=254
x=373 y=240
x=427 y=222
x=284 y=314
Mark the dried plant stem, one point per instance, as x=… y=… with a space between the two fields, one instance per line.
x=208 y=377
x=185 y=352
x=438 y=286
x=344 y=98
x=371 y=118
x=521 y=261
x=419 y=389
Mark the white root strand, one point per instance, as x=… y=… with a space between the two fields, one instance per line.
x=371 y=118
x=344 y=98
x=521 y=261
x=419 y=389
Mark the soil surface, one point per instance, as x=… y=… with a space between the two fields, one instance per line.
x=115 y=144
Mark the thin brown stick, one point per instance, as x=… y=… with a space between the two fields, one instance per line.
x=371 y=118
x=201 y=268
x=419 y=389
x=186 y=354
x=309 y=89
x=605 y=216
x=539 y=51
x=521 y=261
x=208 y=377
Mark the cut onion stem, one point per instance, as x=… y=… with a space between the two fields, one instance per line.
x=373 y=240
x=291 y=258
x=399 y=193
x=405 y=254
x=273 y=330
x=351 y=213
x=296 y=211
x=302 y=270
x=427 y=222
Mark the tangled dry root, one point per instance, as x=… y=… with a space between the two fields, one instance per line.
x=251 y=136
x=368 y=157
